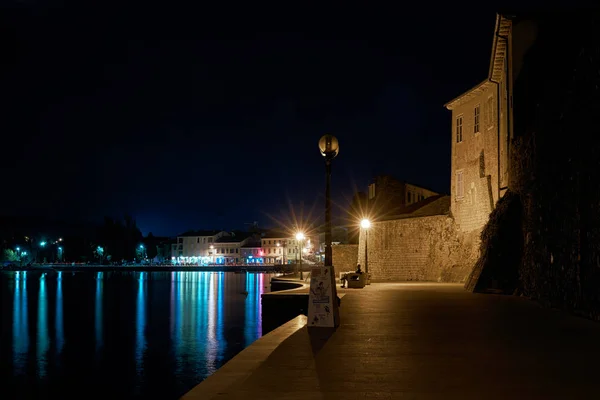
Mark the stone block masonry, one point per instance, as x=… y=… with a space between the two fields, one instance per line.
x=419 y=249
x=345 y=257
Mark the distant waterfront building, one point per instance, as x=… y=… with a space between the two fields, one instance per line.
x=252 y=253
x=279 y=248
x=197 y=247
x=228 y=249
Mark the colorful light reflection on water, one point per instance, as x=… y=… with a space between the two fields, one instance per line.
x=123 y=334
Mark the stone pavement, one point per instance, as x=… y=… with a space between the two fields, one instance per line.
x=427 y=341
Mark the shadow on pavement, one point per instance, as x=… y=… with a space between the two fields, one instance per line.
x=318 y=337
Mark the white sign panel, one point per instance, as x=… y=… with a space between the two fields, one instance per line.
x=320 y=299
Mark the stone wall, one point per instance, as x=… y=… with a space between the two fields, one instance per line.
x=555 y=167
x=560 y=193
x=419 y=249
x=345 y=257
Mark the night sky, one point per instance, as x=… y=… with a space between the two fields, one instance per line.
x=197 y=120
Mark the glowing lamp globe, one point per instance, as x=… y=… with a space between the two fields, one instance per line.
x=365 y=223
x=329 y=146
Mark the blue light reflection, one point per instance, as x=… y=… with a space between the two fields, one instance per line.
x=20 y=323
x=98 y=312
x=140 y=325
x=59 y=319
x=43 y=341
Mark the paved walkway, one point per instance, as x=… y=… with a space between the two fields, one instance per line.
x=430 y=341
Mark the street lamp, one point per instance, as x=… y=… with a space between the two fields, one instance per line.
x=300 y=238
x=142 y=252
x=366 y=224
x=43 y=243
x=60 y=253
x=329 y=148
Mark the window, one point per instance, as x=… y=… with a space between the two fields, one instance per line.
x=490 y=110
x=409 y=197
x=476 y=115
x=197 y=240
x=460 y=186
x=180 y=240
x=459 y=126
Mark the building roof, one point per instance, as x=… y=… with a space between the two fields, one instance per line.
x=229 y=239
x=434 y=205
x=387 y=176
x=502 y=29
x=276 y=235
x=235 y=237
x=200 y=233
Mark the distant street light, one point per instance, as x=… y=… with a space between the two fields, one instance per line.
x=300 y=238
x=42 y=243
x=142 y=252
x=366 y=224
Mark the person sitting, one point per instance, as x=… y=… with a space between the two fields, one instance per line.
x=344 y=280
x=358 y=270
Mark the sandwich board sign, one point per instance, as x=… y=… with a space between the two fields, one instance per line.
x=321 y=297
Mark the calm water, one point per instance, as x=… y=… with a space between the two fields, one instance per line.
x=122 y=334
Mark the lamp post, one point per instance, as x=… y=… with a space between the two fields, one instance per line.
x=329 y=148
x=300 y=238
x=366 y=224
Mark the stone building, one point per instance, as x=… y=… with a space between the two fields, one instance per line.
x=388 y=196
x=425 y=242
x=481 y=119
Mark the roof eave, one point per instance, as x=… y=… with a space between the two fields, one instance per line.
x=501 y=29
x=466 y=95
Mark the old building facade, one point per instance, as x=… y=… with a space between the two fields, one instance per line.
x=481 y=123
x=427 y=243
x=196 y=246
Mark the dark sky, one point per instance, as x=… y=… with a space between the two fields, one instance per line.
x=190 y=119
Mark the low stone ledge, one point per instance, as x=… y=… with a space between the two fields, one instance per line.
x=245 y=363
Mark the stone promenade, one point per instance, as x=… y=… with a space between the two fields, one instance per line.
x=421 y=341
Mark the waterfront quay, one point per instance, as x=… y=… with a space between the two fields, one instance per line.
x=419 y=341
x=149 y=268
